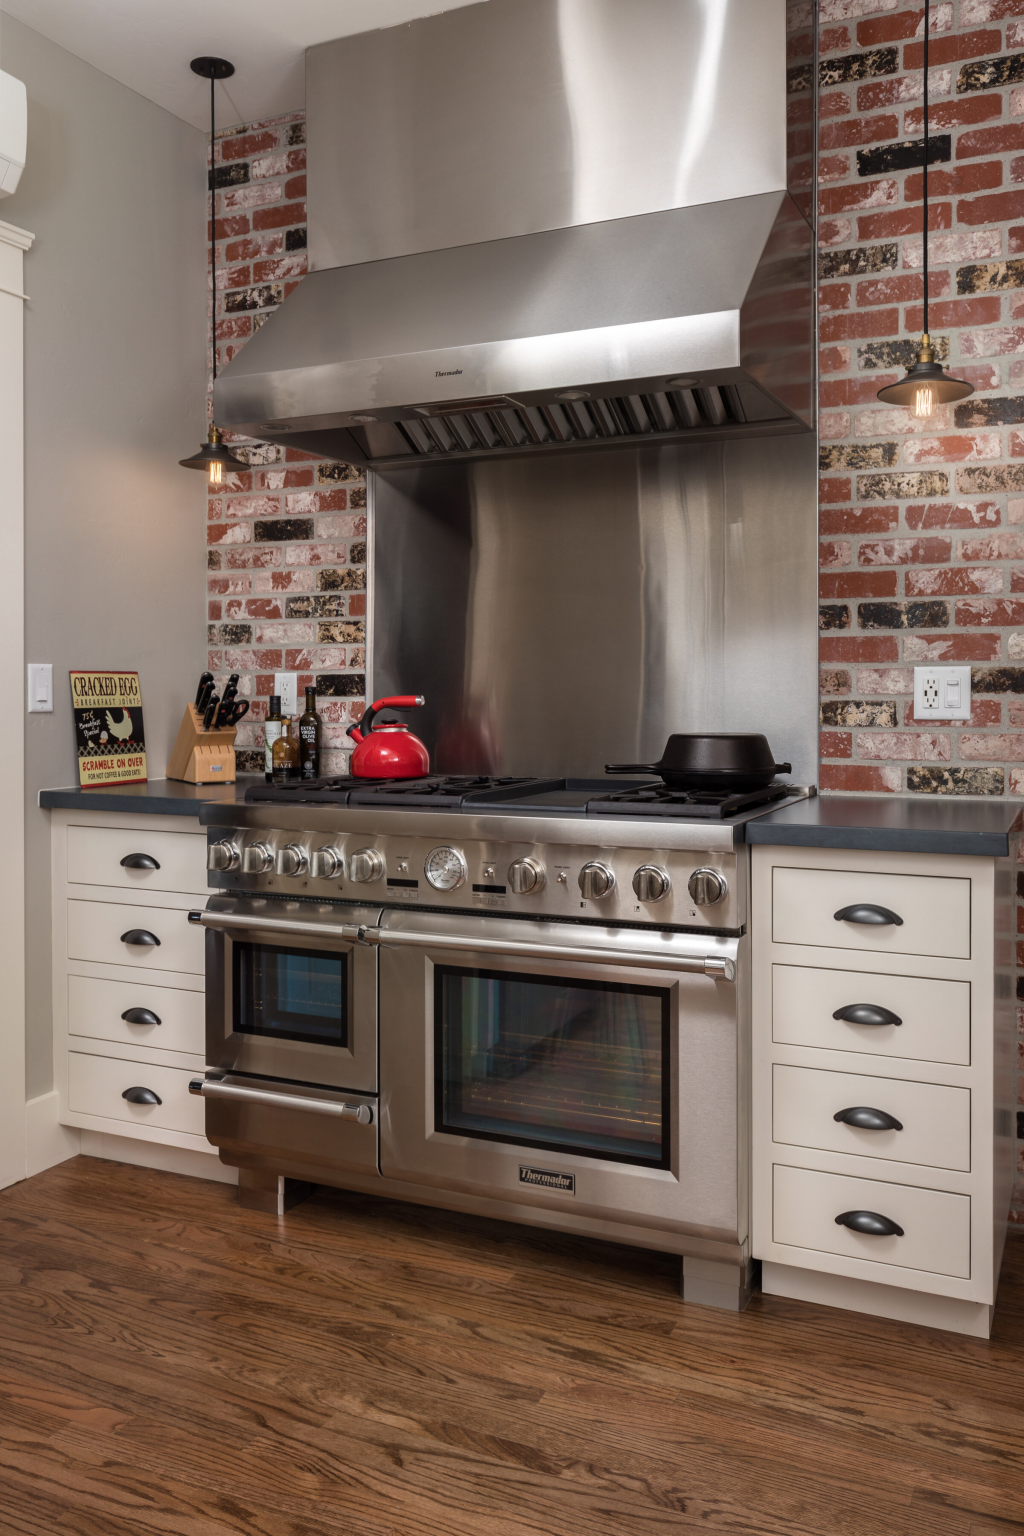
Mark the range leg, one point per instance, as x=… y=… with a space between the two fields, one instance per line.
x=270 y=1192
x=708 y=1283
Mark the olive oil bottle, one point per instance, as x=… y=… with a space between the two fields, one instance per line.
x=286 y=755
x=310 y=731
x=271 y=731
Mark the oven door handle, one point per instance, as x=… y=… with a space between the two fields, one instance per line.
x=705 y=965
x=209 y=1088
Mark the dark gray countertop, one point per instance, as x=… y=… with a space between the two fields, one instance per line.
x=892 y=825
x=160 y=797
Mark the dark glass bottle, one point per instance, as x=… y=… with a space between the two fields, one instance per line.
x=310 y=728
x=272 y=727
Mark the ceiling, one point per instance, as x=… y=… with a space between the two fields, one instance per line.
x=147 y=44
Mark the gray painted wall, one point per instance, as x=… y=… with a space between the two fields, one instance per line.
x=115 y=378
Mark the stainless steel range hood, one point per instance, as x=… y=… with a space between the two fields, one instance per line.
x=543 y=225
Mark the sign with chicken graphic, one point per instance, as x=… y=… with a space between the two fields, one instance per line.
x=108 y=728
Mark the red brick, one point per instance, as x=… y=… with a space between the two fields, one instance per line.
x=833 y=296
x=227 y=229
x=887 y=92
x=290 y=288
x=973 y=177
x=952 y=114
x=856 y=326
x=833 y=168
x=213 y=610
x=942 y=649
x=857 y=584
x=997 y=546
x=834 y=553
x=905 y=552
x=985 y=310
x=990 y=611
x=891 y=290
x=833 y=104
x=983 y=712
x=356 y=607
x=880 y=519
x=834 y=40
x=858 y=778
x=836 y=392
x=228 y=533
x=247 y=144
x=991 y=210
x=248 y=249
x=863 y=194
x=268 y=661
x=954 y=581
x=1016 y=445
x=859 y=130
x=277 y=216
x=1017 y=583
x=835 y=743
x=947 y=514
x=295 y=187
x=234 y=328
x=955 y=449
x=990 y=141
x=834 y=490
x=905 y=221
x=858 y=648
x=948 y=50
x=889 y=29
x=281 y=266
x=833 y=359
x=997 y=10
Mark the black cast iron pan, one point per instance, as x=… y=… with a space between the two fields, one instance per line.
x=719 y=762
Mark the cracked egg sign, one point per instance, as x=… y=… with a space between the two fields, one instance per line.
x=109 y=735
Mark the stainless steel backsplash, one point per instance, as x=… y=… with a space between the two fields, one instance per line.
x=562 y=614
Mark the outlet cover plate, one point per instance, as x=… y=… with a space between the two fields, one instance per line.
x=287 y=685
x=942 y=693
x=40 y=688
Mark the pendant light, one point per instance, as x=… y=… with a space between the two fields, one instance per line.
x=926 y=385
x=213 y=457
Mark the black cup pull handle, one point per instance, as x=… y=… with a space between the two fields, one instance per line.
x=866 y=1013
x=870 y=1223
x=140 y=1016
x=866 y=1119
x=868 y=913
x=139 y=861
x=139 y=936
x=141 y=1096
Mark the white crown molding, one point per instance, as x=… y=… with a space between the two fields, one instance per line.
x=10 y=234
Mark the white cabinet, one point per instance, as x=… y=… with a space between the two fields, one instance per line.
x=882 y=1050
x=129 y=1014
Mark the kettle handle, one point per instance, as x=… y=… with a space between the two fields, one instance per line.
x=363 y=727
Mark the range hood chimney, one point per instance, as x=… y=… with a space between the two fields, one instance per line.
x=544 y=226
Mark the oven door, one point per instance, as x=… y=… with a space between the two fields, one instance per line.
x=291 y=991
x=518 y=1064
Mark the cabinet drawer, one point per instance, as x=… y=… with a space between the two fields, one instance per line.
x=95 y=854
x=935 y=1016
x=936 y=1120
x=935 y=909
x=936 y=1226
x=96 y=1009
x=95 y=929
x=96 y=1085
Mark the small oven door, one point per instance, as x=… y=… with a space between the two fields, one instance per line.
x=516 y=1063
x=291 y=991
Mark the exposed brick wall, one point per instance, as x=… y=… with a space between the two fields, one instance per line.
x=287 y=540
x=922 y=523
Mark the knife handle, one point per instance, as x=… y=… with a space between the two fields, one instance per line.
x=204 y=678
x=211 y=710
x=241 y=708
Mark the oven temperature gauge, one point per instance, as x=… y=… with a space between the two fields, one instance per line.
x=445 y=868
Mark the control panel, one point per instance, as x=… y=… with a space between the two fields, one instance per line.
x=642 y=885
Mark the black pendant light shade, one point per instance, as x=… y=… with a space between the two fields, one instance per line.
x=926 y=385
x=213 y=457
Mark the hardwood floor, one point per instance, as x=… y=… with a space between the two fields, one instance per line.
x=172 y=1363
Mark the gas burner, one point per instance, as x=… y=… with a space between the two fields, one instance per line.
x=447 y=790
x=684 y=805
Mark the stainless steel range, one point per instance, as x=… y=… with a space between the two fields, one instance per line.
x=524 y=1000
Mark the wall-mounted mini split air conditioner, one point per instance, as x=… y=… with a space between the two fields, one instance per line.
x=13 y=132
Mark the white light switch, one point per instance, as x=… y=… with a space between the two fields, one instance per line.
x=942 y=693
x=40 y=688
x=287 y=685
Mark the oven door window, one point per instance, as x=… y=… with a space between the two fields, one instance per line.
x=291 y=994
x=570 y=1065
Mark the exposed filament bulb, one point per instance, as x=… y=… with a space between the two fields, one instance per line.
x=924 y=402
x=217 y=469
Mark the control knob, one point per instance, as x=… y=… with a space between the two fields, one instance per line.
x=595 y=881
x=292 y=860
x=222 y=857
x=706 y=886
x=257 y=859
x=525 y=875
x=325 y=864
x=651 y=883
x=366 y=864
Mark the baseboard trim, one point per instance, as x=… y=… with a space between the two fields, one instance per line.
x=946 y=1312
x=153 y=1154
x=47 y=1142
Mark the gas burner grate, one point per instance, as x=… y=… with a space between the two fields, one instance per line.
x=684 y=805
x=451 y=790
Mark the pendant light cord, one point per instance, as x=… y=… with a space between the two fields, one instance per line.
x=925 y=187
x=214 y=229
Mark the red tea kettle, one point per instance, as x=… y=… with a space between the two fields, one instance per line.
x=388 y=750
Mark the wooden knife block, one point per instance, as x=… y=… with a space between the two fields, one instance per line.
x=202 y=757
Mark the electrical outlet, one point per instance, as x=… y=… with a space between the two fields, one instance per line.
x=40 y=688
x=287 y=685
x=942 y=693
